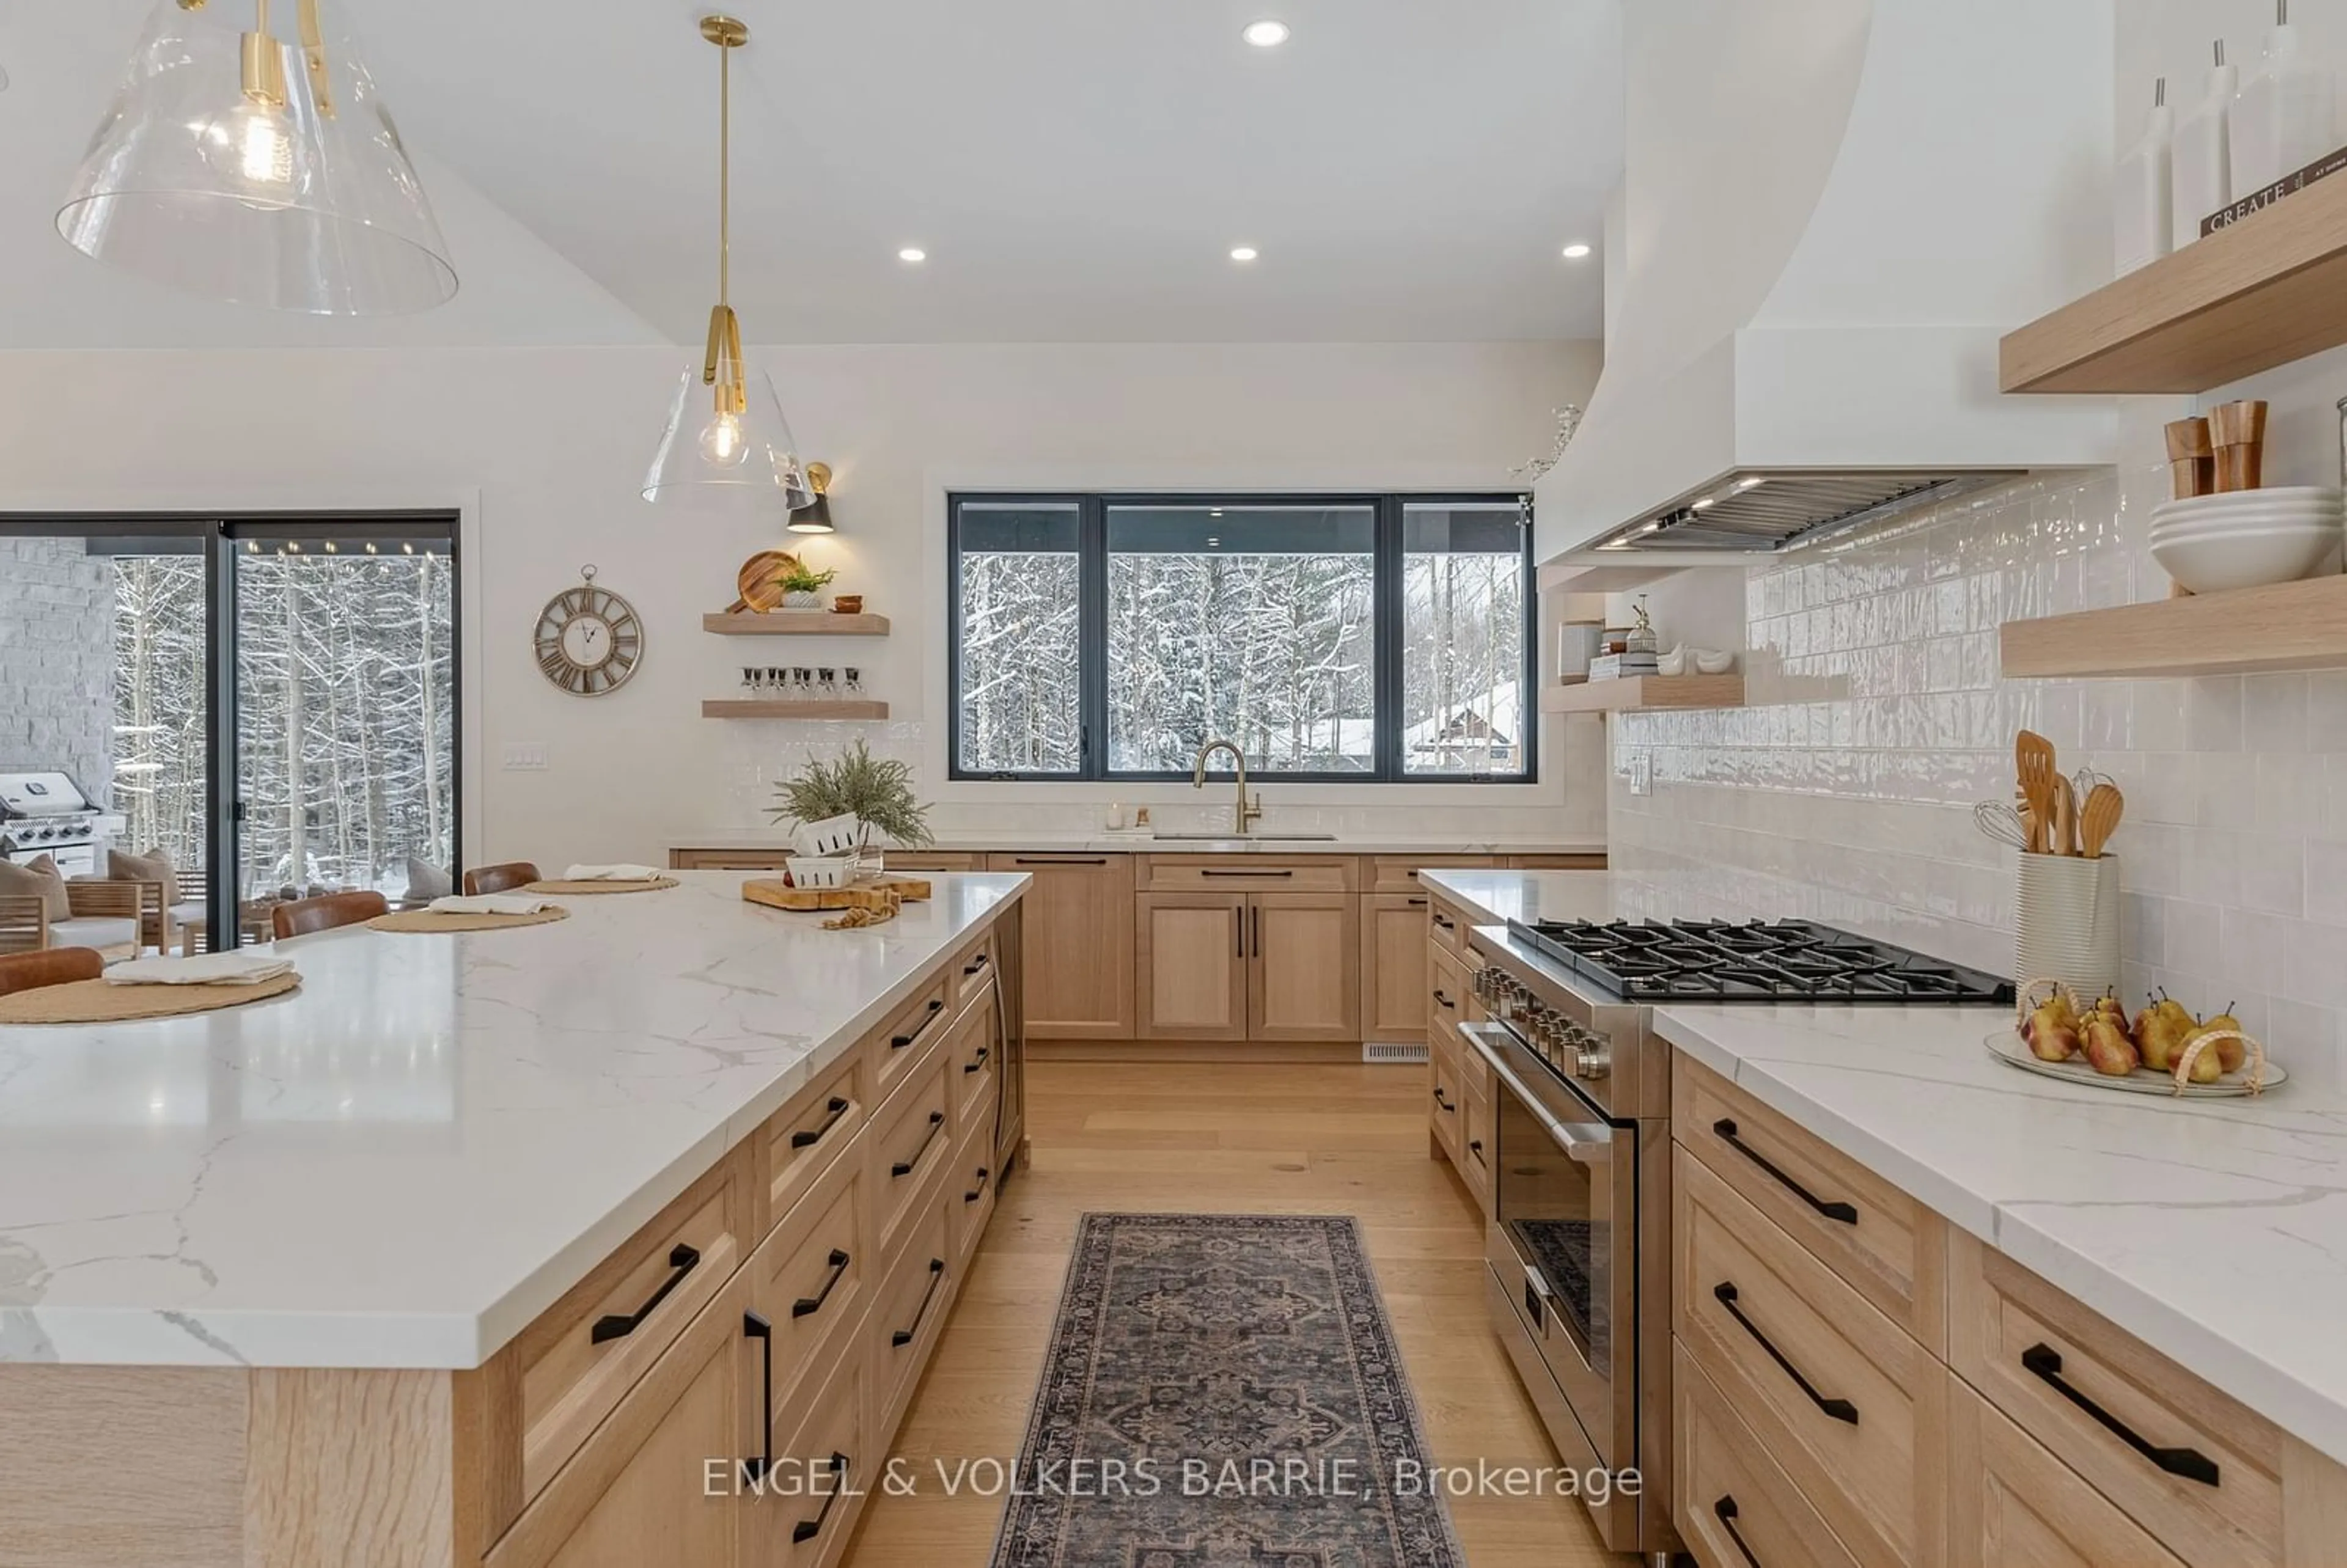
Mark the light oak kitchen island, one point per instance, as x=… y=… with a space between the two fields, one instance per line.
x=546 y=1246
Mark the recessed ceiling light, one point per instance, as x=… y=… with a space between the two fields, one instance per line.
x=1749 y=481
x=912 y=253
x=1243 y=253
x=1574 y=251
x=1705 y=504
x=1266 y=33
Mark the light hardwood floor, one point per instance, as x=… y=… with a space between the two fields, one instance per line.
x=1206 y=1138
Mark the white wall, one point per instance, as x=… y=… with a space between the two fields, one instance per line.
x=547 y=448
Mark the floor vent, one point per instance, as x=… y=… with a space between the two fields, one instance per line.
x=1392 y=1054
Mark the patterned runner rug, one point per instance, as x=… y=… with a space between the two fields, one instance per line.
x=1223 y=1391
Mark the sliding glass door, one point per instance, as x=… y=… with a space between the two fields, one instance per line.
x=267 y=703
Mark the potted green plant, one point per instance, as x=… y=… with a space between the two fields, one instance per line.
x=878 y=789
x=803 y=586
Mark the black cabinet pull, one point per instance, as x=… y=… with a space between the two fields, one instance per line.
x=977 y=1063
x=681 y=1258
x=2045 y=1361
x=1209 y=871
x=1846 y=1212
x=1440 y=1100
x=808 y=1306
x=904 y=1167
x=1448 y=1005
x=754 y=1327
x=1417 y=903
x=902 y=1040
x=977 y=1192
x=972 y=967
x=814 y=1135
x=1840 y=1409
x=903 y=1337
x=1255 y=917
x=806 y=1530
x=1725 y=1511
x=1446 y=925
x=1475 y=1147
x=1062 y=860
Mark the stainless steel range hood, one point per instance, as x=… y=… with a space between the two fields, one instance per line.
x=1818 y=253
x=1764 y=512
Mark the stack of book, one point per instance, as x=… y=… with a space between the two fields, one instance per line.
x=1616 y=666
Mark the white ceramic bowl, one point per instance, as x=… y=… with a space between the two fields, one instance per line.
x=2262 y=531
x=2249 y=560
x=2273 y=494
x=1675 y=662
x=1712 y=662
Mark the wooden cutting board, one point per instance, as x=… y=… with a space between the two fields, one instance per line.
x=885 y=894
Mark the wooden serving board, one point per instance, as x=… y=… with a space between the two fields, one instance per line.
x=886 y=892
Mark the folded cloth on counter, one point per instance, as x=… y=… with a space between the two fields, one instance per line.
x=202 y=970
x=621 y=872
x=492 y=904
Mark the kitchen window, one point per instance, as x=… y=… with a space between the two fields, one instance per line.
x=1369 y=639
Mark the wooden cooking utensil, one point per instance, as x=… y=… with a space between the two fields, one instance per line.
x=761 y=581
x=2066 y=817
x=2237 y=431
x=2191 y=459
x=2100 y=818
x=2033 y=764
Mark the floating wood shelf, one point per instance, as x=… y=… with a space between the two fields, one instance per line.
x=1635 y=693
x=2288 y=626
x=786 y=709
x=2270 y=289
x=796 y=623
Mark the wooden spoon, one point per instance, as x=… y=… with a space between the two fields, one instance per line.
x=2033 y=762
x=2066 y=818
x=2100 y=818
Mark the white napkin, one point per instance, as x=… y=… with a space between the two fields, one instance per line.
x=491 y=904
x=620 y=873
x=203 y=969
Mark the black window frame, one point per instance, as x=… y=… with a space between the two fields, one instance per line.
x=1092 y=507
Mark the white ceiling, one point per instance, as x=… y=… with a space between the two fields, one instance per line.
x=1077 y=169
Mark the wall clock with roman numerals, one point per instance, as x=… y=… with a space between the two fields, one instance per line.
x=589 y=639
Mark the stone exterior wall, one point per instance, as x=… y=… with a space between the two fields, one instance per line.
x=57 y=661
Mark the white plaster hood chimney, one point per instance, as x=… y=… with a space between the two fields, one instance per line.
x=1831 y=211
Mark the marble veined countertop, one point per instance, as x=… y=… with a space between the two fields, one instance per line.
x=1258 y=843
x=404 y=1161
x=2215 y=1231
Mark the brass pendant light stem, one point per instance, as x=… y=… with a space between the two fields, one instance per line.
x=313 y=56
x=263 y=65
x=722 y=369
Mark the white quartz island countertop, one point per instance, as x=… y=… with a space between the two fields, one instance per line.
x=1261 y=841
x=405 y=1160
x=2215 y=1231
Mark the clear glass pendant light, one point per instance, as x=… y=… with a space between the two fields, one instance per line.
x=246 y=168
x=727 y=444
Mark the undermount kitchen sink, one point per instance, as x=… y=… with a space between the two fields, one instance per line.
x=1231 y=840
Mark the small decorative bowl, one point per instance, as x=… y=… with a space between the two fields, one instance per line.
x=847 y=604
x=1675 y=662
x=1711 y=661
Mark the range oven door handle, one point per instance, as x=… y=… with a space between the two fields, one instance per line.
x=1589 y=1142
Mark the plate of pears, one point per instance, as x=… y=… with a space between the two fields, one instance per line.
x=2164 y=1050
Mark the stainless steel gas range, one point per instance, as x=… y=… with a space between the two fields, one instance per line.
x=1579 y=1243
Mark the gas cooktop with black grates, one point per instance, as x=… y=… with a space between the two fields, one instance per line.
x=1762 y=962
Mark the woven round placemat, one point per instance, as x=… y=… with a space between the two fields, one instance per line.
x=654 y=886
x=425 y=920
x=95 y=1001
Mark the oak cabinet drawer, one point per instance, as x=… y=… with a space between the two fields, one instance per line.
x=933 y=860
x=1477 y=1138
x=1556 y=862
x=1846 y=1402
x=910 y=1313
x=1246 y=873
x=1884 y=1244
x=1447 y=926
x=806 y=1136
x=1447 y=998
x=727 y=859
x=1447 y=1108
x=910 y=1140
x=583 y=1354
x=1732 y=1503
x=900 y=1045
x=2012 y=1502
x=1399 y=873
x=812 y=1277
x=969 y=1063
x=2211 y=1491
x=823 y=1465
x=969 y=1195
x=971 y=970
